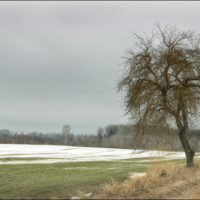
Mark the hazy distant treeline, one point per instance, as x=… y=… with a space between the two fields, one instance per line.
x=8 y=137
x=117 y=136
x=111 y=136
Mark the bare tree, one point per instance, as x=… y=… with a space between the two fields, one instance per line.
x=66 y=133
x=160 y=82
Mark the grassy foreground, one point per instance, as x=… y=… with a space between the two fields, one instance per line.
x=61 y=180
x=64 y=180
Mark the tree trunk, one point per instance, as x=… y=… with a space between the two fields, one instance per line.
x=186 y=146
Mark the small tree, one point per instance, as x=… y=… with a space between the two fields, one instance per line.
x=66 y=131
x=160 y=82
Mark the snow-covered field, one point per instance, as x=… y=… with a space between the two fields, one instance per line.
x=18 y=153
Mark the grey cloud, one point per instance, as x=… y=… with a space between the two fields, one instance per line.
x=59 y=60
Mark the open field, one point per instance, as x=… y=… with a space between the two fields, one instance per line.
x=61 y=180
x=44 y=171
x=24 y=154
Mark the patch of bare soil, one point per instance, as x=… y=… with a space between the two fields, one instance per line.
x=162 y=181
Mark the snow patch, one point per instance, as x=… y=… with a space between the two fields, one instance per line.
x=55 y=154
x=133 y=175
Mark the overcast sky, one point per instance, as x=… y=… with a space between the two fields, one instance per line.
x=59 y=61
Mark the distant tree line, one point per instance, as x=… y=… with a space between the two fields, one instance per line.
x=116 y=136
x=111 y=136
x=8 y=137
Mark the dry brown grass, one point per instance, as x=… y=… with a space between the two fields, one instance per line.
x=195 y=193
x=162 y=181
